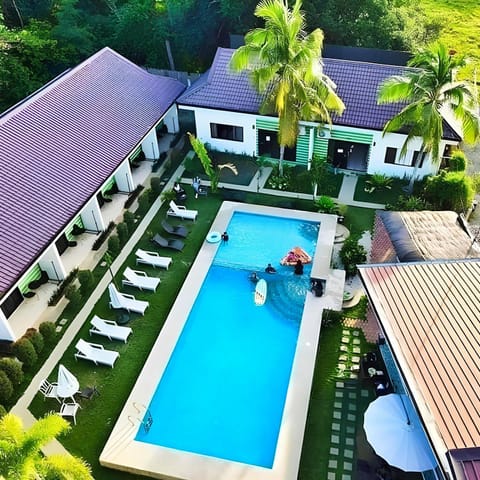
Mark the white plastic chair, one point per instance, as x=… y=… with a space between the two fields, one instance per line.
x=181 y=212
x=49 y=390
x=70 y=410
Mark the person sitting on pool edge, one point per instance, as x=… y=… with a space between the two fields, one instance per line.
x=270 y=269
x=225 y=237
x=298 y=268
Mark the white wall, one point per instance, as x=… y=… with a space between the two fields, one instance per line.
x=51 y=263
x=203 y=118
x=6 y=333
x=150 y=145
x=92 y=216
x=170 y=119
x=123 y=177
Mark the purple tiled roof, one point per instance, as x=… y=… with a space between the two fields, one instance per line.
x=357 y=85
x=59 y=146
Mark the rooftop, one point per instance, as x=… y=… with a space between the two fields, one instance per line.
x=357 y=85
x=60 y=145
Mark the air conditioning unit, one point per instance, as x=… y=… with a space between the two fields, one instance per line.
x=302 y=130
x=321 y=133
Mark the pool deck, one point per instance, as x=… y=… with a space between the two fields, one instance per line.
x=122 y=452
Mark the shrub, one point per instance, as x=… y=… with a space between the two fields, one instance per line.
x=6 y=388
x=330 y=317
x=378 y=181
x=122 y=232
x=13 y=369
x=36 y=338
x=457 y=162
x=25 y=352
x=129 y=219
x=74 y=296
x=352 y=254
x=450 y=191
x=408 y=204
x=133 y=195
x=168 y=195
x=58 y=293
x=114 y=245
x=47 y=329
x=103 y=236
x=143 y=203
x=326 y=204
x=476 y=181
x=3 y=411
x=156 y=185
x=87 y=282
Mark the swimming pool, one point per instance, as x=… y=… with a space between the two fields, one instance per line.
x=123 y=451
x=223 y=391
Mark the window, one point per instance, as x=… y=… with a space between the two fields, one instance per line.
x=415 y=156
x=226 y=132
x=390 y=155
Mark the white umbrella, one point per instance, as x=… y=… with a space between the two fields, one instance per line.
x=67 y=383
x=394 y=431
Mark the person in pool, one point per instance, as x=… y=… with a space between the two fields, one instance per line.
x=270 y=269
x=298 y=268
x=254 y=277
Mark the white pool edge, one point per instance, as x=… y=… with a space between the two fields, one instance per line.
x=122 y=452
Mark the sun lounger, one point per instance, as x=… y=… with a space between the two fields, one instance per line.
x=109 y=329
x=181 y=212
x=125 y=301
x=179 y=231
x=152 y=258
x=139 y=279
x=172 y=243
x=95 y=353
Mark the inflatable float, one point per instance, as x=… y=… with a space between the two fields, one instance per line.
x=260 y=294
x=294 y=255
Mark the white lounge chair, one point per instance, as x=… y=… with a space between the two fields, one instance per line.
x=180 y=211
x=139 y=279
x=152 y=258
x=110 y=329
x=125 y=301
x=95 y=353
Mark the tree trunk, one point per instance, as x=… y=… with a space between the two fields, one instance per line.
x=280 y=161
x=415 y=171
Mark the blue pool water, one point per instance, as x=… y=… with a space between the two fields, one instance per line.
x=223 y=391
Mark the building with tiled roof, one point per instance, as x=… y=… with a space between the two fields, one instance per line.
x=429 y=316
x=60 y=150
x=226 y=109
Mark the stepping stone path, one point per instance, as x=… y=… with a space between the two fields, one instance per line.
x=344 y=421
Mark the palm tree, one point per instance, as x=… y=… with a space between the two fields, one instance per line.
x=430 y=92
x=20 y=455
x=285 y=65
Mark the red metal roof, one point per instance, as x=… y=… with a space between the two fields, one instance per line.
x=430 y=314
x=59 y=146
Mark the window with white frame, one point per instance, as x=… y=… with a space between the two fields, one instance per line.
x=226 y=132
x=416 y=153
x=391 y=155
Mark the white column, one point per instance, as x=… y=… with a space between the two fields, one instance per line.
x=123 y=177
x=150 y=145
x=6 y=332
x=52 y=264
x=170 y=119
x=92 y=217
x=311 y=141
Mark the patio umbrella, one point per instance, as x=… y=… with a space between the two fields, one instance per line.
x=67 y=383
x=394 y=431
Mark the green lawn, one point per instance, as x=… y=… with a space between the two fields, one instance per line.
x=379 y=196
x=97 y=416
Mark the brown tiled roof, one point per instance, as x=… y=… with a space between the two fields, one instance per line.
x=430 y=314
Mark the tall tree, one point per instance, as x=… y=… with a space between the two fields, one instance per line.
x=430 y=93
x=285 y=65
x=20 y=453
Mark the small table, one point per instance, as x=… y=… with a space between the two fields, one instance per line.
x=123 y=318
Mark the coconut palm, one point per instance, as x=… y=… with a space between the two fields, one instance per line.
x=430 y=93
x=22 y=459
x=285 y=65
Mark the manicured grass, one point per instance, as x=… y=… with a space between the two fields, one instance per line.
x=379 y=196
x=460 y=21
x=359 y=220
x=97 y=417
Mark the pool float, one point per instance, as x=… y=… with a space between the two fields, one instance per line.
x=214 y=237
x=295 y=254
x=260 y=294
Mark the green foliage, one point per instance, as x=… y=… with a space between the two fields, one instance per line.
x=25 y=352
x=378 y=181
x=58 y=293
x=103 y=236
x=3 y=411
x=476 y=181
x=331 y=317
x=122 y=232
x=129 y=219
x=408 y=204
x=144 y=203
x=6 y=388
x=168 y=195
x=156 y=185
x=47 y=329
x=352 y=254
x=36 y=338
x=74 y=296
x=278 y=180
x=450 y=191
x=326 y=205
x=13 y=369
x=114 y=245
x=457 y=162
x=87 y=282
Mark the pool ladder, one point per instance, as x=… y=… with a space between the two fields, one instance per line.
x=148 y=419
